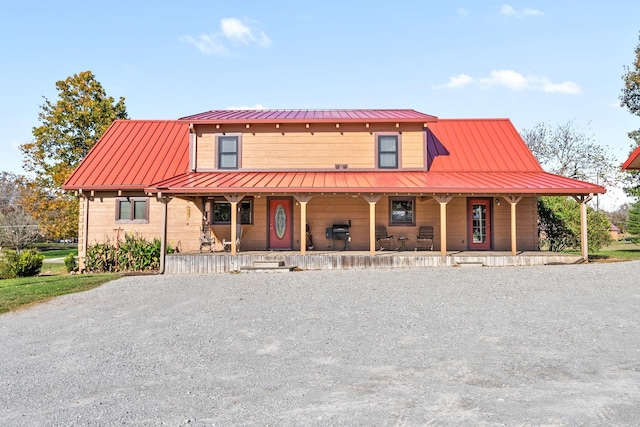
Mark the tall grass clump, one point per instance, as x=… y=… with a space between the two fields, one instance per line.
x=134 y=253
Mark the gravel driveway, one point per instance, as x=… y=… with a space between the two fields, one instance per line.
x=554 y=345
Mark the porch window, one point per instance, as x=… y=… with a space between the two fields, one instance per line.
x=222 y=211
x=133 y=210
x=228 y=151
x=402 y=210
x=388 y=151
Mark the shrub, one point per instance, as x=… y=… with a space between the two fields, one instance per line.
x=70 y=263
x=135 y=253
x=26 y=264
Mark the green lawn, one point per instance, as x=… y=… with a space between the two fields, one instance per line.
x=15 y=293
x=56 y=250
x=617 y=251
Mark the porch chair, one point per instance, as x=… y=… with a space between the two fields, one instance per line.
x=226 y=244
x=425 y=238
x=382 y=237
x=206 y=239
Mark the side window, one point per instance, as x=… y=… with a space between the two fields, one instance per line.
x=222 y=211
x=387 y=149
x=402 y=210
x=228 y=151
x=133 y=210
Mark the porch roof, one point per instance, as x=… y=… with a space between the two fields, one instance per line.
x=415 y=182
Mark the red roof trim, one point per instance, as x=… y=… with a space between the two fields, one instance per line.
x=633 y=162
x=311 y=116
x=374 y=182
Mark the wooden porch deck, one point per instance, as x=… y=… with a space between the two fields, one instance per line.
x=223 y=262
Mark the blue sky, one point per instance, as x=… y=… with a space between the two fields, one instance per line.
x=530 y=61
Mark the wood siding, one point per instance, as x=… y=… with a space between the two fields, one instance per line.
x=323 y=145
x=184 y=219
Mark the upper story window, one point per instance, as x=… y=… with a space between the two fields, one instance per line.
x=133 y=210
x=228 y=147
x=388 y=148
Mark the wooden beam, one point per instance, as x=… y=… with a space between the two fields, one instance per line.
x=372 y=227
x=443 y=200
x=234 y=229
x=303 y=227
x=513 y=201
x=584 y=237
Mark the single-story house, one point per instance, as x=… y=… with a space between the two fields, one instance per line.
x=285 y=176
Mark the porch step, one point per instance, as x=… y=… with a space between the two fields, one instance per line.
x=469 y=263
x=266 y=266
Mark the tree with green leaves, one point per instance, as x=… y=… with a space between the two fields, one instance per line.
x=68 y=129
x=559 y=225
x=633 y=220
x=630 y=98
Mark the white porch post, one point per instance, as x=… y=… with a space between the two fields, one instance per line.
x=234 y=200
x=303 y=200
x=513 y=201
x=443 y=200
x=372 y=199
x=584 y=239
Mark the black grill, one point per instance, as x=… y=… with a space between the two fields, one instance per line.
x=340 y=232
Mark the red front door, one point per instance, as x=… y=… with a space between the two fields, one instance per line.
x=280 y=224
x=479 y=225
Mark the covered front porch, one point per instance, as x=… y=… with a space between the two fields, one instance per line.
x=225 y=262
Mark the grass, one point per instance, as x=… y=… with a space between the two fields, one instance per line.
x=16 y=293
x=616 y=251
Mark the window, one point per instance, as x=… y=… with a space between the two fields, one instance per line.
x=388 y=151
x=222 y=211
x=228 y=149
x=402 y=210
x=132 y=210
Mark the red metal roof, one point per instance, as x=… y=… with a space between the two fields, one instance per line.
x=134 y=154
x=310 y=116
x=374 y=182
x=633 y=162
x=481 y=145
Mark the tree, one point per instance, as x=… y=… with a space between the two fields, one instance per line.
x=18 y=229
x=630 y=98
x=559 y=226
x=68 y=130
x=633 y=222
x=11 y=191
x=568 y=151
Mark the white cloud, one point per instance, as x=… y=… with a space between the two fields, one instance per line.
x=507 y=78
x=462 y=11
x=238 y=31
x=232 y=30
x=458 y=81
x=207 y=44
x=564 y=87
x=507 y=10
x=513 y=80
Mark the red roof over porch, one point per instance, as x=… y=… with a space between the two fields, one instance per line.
x=415 y=182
